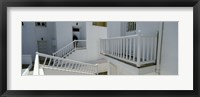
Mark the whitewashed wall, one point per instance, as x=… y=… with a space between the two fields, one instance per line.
x=147 y=27
x=169 y=52
x=94 y=33
x=83 y=30
x=114 y=29
x=29 y=43
x=63 y=34
x=31 y=34
x=51 y=37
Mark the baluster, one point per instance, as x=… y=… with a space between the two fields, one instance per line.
x=64 y=64
x=71 y=65
x=84 y=66
x=81 y=68
x=104 y=46
x=66 y=50
x=114 y=47
x=101 y=46
x=130 y=49
x=134 y=48
x=138 y=51
x=86 y=69
x=118 y=46
x=45 y=61
x=78 y=67
x=67 y=65
x=151 y=58
x=49 y=61
x=148 y=47
x=126 y=48
x=90 y=69
x=112 y=44
x=155 y=45
x=144 y=49
x=54 y=62
x=75 y=66
x=61 y=63
x=58 y=62
x=107 y=46
x=117 y=41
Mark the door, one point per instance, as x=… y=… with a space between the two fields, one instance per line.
x=42 y=46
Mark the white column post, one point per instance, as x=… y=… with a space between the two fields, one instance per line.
x=36 y=65
x=138 y=50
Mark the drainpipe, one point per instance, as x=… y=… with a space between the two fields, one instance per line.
x=159 y=47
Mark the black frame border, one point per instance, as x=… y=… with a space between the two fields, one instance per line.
x=100 y=3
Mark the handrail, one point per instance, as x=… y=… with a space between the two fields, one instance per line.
x=45 y=55
x=57 y=63
x=67 y=49
x=136 y=35
x=63 y=47
x=121 y=37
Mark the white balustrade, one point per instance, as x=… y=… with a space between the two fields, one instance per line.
x=138 y=49
x=69 y=48
x=68 y=65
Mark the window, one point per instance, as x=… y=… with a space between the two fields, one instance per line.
x=41 y=24
x=131 y=26
x=103 y=24
x=75 y=29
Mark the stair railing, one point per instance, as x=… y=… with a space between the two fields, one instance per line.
x=69 y=48
x=68 y=65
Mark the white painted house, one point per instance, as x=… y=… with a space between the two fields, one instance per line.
x=114 y=48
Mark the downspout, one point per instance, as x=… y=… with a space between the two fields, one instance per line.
x=159 y=47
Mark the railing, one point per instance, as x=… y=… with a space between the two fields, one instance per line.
x=69 y=48
x=68 y=65
x=138 y=49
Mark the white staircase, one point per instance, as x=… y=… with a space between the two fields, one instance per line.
x=70 y=48
x=44 y=61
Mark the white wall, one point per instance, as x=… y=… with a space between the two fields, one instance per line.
x=51 y=36
x=47 y=33
x=93 y=34
x=83 y=30
x=169 y=51
x=29 y=43
x=120 y=68
x=147 y=27
x=31 y=34
x=114 y=29
x=63 y=34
